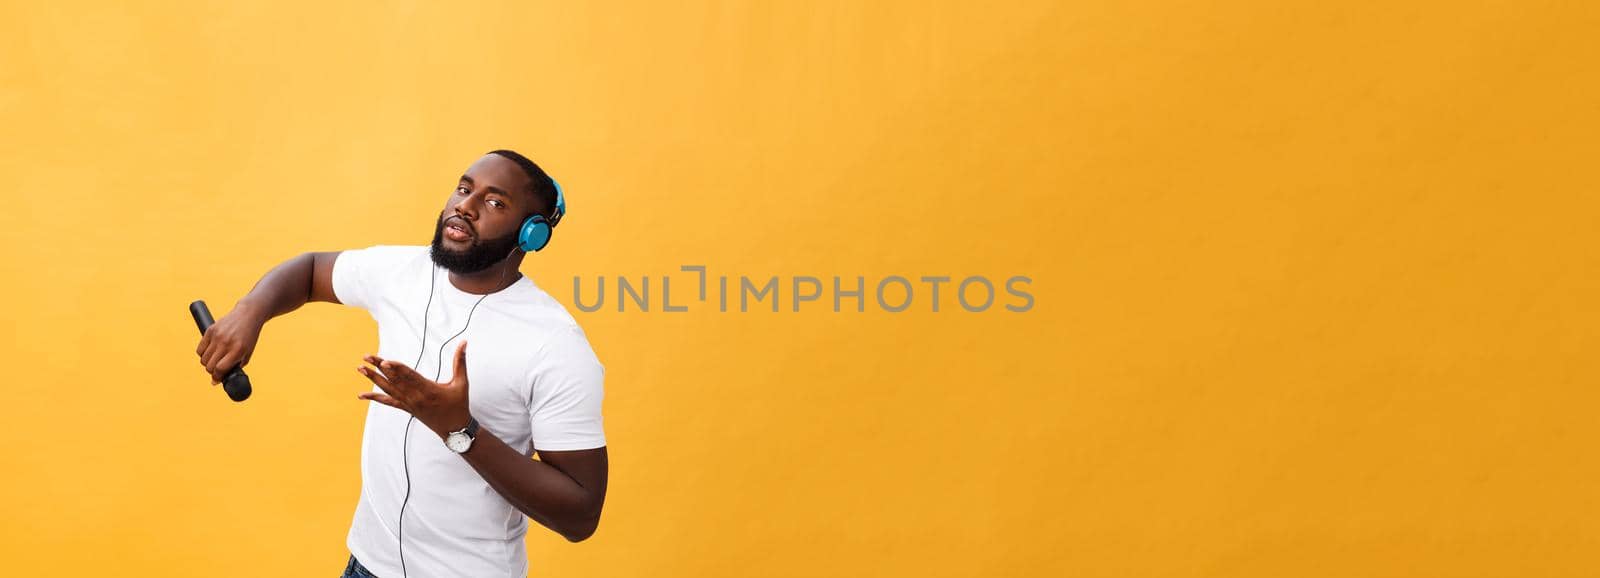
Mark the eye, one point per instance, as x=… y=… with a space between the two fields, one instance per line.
x=497 y=204
x=462 y=190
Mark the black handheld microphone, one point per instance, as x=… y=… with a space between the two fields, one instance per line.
x=237 y=384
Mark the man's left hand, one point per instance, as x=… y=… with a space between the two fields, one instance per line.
x=440 y=406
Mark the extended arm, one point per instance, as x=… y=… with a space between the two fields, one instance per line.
x=231 y=341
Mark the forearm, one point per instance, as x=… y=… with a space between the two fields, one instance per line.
x=283 y=289
x=546 y=494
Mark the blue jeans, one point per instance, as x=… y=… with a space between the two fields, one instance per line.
x=355 y=570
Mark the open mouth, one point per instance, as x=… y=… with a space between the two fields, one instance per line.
x=455 y=232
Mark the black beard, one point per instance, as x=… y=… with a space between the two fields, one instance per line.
x=481 y=255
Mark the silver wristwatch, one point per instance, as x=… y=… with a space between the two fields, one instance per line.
x=461 y=440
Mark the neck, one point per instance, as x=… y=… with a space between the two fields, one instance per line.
x=491 y=280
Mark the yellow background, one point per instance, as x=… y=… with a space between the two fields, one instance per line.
x=1315 y=283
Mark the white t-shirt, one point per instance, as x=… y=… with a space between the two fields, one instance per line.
x=533 y=381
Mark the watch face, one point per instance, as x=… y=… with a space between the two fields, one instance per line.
x=458 y=442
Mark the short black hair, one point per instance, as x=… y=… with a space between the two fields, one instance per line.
x=543 y=187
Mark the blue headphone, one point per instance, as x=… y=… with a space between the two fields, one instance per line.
x=536 y=230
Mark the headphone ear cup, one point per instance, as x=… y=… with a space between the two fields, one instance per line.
x=535 y=234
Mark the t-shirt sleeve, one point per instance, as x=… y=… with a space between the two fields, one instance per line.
x=357 y=273
x=568 y=387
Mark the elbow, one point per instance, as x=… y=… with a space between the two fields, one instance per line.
x=582 y=530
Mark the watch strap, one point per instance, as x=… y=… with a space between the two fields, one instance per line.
x=471 y=429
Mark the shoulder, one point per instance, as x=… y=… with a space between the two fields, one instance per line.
x=361 y=277
x=561 y=345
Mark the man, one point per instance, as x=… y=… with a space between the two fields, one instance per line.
x=446 y=474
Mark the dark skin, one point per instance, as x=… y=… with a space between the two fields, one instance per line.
x=563 y=491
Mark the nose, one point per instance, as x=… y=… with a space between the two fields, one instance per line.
x=468 y=207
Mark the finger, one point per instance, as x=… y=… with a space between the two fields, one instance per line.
x=227 y=362
x=220 y=346
x=402 y=375
x=205 y=338
x=376 y=362
x=205 y=354
x=377 y=379
x=214 y=356
x=381 y=398
x=378 y=365
x=460 y=376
